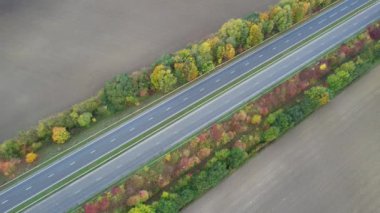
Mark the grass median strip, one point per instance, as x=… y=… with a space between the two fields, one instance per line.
x=121 y=149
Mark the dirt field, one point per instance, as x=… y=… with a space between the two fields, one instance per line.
x=328 y=163
x=56 y=53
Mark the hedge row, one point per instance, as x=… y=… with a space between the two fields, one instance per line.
x=248 y=129
x=167 y=73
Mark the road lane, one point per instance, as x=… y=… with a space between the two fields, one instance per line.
x=202 y=117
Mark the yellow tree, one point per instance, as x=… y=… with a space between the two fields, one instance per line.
x=31 y=157
x=229 y=52
x=163 y=79
x=256 y=35
x=60 y=135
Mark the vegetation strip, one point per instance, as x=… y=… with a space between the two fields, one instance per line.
x=289 y=103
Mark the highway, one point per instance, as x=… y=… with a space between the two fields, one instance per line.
x=138 y=155
x=204 y=116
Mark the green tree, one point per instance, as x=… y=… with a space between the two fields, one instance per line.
x=84 y=119
x=141 y=208
x=271 y=134
x=256 y=35
x=10 y=149
x=116 y=91
x=236 y=158
x=203 y=56
x=185 y=68
x=318 y=95
x=163 y=79
x=234 y=31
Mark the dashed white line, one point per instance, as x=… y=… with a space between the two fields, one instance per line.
x=131 y=129
x=27 y=189
x=51 y=175
x=274 y=48
x=365 y=17
x=260 y=56
x=344 y=8
x=256 y=83
x=201 y=90
x=72 y=163
x=217 y=80
x=76 y=192
x=167 y=109
x=93 y=151
x=299 y=34
x=4 y=202
x=119 y=166
x=321 y=21
x=246 y=64
x=185 y=98
x=99 y=178
x=232 y=72
x=287 y=41
x=114 y=139
x=151 y=118
x=311 y=27
x=353 y=3
x=356 y=23
x=332 y=15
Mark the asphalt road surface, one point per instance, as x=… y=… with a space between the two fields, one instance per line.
x=132 y=159
x=56 y=53
x=329 y=163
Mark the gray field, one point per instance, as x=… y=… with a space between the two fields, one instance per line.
x=56 y=53
x=328 y=163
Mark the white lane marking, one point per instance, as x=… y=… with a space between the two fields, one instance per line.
x=77 y=191
x=246 y=64
x=114 y=139
x=356 y=23
x=27 y=189
x=99 y=178
x=287 y=41
x=232 y=72
x=367 y=16
x=217 y=80
x=344 y=8
x=4 y=202
x=118 y=166
x=93 y=151
x=72 y=163
x=176 y=132
x=274 y=48
x=321 y=21
x=260 y=56
x=151 y=118
x=51 y=175
x=133 y=128
x=272 y=74
x=353 y=3
x=185 y=98
x=311 y=27
x=256 y=83
x=332 y=15
x=167 y=109
x=299 y=34
x=323 y=43
x=201 y=90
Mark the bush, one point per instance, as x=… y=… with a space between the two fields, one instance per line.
x=84 y=119
x=31 y=157
x=60 y=135
x=271 y=134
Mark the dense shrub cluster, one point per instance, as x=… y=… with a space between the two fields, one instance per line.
x=169 y=72
x=187 y=172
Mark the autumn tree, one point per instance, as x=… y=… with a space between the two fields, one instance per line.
x=31 y=157
x=229 y=52
x=163 y=79
x=235 y=32
x=282 y=18
x=203 y=56
x=318 y=95
x=185 y=68
x=60 y=135
x=256 y=35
